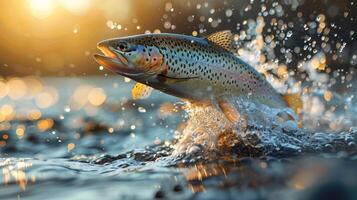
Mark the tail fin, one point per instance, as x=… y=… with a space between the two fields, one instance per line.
x=294 y=101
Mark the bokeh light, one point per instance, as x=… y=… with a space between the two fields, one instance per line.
x=96 y=96
x=34 y=114
x=48 y=97
x=45 y=124
x=17 y=88
x=79 y=96
x=7 y=112
x=20 y=131
x=3 y=89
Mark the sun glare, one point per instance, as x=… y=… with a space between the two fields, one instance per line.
x=78 y=7
x=41 y=9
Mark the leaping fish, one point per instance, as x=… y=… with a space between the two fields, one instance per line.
x=192 y=68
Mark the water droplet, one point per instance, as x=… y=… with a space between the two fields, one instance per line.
x=141 y=109
x=229 y=12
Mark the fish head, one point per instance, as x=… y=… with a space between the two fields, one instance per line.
x=129 y=58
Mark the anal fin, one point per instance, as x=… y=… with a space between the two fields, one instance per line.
x=229 y=110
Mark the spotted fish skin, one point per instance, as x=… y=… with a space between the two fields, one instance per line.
x=200 y=69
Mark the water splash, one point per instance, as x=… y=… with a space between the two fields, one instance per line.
x=325 y=111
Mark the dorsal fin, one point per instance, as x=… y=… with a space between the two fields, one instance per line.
x=224 y=39
x=141 y=91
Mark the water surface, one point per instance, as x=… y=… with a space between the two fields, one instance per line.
x=122 y=149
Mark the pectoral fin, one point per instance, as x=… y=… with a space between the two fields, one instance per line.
x=141 y=91
x=229 y=110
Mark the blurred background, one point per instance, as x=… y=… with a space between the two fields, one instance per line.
x=62 y=111
x=58 y=37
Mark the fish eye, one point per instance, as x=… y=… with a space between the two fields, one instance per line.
x=122 y=46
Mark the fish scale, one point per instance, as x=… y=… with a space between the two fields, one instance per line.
x=195 y=59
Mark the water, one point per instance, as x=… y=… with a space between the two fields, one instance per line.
x=121 y=147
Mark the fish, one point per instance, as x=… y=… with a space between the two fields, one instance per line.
x=196 y=69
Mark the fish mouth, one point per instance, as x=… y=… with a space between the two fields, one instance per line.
x=115 y=61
